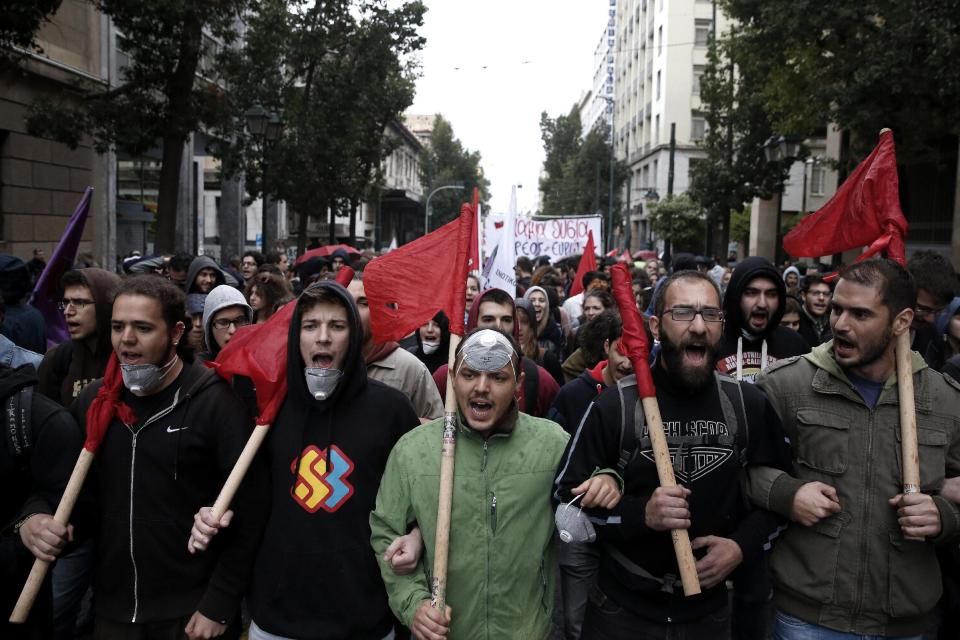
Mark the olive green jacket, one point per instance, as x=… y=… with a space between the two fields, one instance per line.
x=853 y=571
x=502 y=565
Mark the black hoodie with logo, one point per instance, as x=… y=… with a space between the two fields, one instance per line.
x=315 y=575
x=743 y=351
x=150 y=478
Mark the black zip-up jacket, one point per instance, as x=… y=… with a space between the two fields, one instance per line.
x=574 y=397
x=709 y=466
x=315 y=574
x=152 y=477
x=34 y=470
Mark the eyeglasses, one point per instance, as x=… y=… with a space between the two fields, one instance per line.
x=819 y=294
x=223 y=323
x=687 y=314
x=923 y=310
x=76 y=303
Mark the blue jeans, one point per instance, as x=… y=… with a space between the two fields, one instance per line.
x=579 y=564
x=786 y=627
x=72 y=576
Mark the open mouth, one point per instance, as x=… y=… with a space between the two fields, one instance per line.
x=322 y=360
x=843 y=347
x=695 y=353
x=129 y=357
x=759 y=318
x=481 y=409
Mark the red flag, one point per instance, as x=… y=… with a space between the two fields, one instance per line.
x=864 y=211
x=106 y=406
x=406 y=287
x=588 y=262
x=633 y=341
x=474 y=264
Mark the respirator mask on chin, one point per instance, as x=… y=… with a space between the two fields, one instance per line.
x=321 y=382
x=141 y=379
x=429 y=348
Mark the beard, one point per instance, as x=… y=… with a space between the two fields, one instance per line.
x=870 y=350
x=693 y=376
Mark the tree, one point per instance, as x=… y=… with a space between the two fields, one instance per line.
x=445 y=162
x=21 y=20
x=160 y=98
x=680 y=219
x=339 y=72
x=577 y=169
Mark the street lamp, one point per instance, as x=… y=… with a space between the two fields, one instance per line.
x=265 y=127
x=782 y=150
x=426 y=210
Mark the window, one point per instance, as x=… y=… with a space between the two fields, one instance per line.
x=818 y=175
x=656 y=131
x=658 y=85
x=698 y=126
x=697 y=74
x=701 y=36
x=659 y=40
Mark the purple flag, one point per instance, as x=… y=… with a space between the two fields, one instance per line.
x=45 y=292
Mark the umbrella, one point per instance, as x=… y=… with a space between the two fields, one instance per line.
x=326 y=251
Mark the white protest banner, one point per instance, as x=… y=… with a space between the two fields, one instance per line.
x=498 y=271
x=536 y=236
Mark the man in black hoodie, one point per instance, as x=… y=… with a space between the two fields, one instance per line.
x=38 y=449
x=156 y=470
x=314 y=575
x=752 y=336
x=203 y=275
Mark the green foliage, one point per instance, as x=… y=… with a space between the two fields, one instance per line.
x=446 y=161
x=21 y=20
x=680 y=219
x=570 y=184
x=339 y=72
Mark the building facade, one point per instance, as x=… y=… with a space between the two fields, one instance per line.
x=598 y=103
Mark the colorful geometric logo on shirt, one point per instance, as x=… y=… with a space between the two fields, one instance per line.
x=317 y=486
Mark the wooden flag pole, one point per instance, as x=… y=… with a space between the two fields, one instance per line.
x=908 y=415
x=64 y=510
x=441 y=549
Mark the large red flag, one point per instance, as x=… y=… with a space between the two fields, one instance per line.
x=106 y=405
x=474 y=259
x=259 y=352
x=588 y=262
x=864 y=211
x=633 y=342
x=409 y=285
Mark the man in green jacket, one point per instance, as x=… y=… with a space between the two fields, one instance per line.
x=859 y=558
x=502 y=565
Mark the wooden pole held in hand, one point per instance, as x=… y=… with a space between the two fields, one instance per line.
x=908 y=415
x=64 y=510
x=661 y=455
x=441 y=548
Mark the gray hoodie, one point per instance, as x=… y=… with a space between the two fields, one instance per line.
x=202 y=262
x=221 y=297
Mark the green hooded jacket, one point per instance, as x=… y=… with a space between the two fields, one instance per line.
x=502 y=564
x=853 y=571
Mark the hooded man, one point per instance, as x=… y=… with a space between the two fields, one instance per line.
x=752 y=337
x=394 y=366
x=432 y=342
x=327 y=451
x=181 y=433
x=815 y=311
x=502 y=561
x=203 y=275
x=224 y=311
x=791 y=280
x=496 y=309
x=86 y=304
x=22 y=323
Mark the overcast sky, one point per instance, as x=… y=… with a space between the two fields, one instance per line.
x=492 y=66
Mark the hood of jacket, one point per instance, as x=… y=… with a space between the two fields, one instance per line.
x=793 y=270
x=438 y=357
x=221 y=297
x=474 y=314
x=103 y=287
x=203 y=262
x=822 y=357
x=354 y=377
x=12 y=380
x=747 y=270
x=525 y=306
x=546 y=306
x=943 y=320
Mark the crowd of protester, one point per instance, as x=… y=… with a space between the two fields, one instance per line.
x=765 y=375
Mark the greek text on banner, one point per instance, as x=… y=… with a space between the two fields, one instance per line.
x=552 y=237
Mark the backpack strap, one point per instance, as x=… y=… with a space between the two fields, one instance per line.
x=734 y=414
x=17 y=422
x=632 y=421
x=531 y=387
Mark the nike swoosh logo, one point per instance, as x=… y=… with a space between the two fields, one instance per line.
x=175 y=429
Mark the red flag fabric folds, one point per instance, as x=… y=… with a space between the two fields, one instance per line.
x=409 y=285
x=106 y=405
x=633 y=342
x=864 y=211
x=588 y=262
